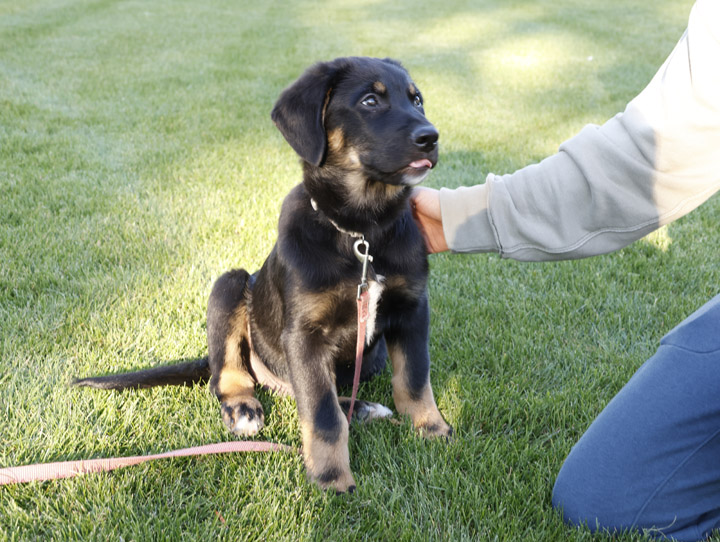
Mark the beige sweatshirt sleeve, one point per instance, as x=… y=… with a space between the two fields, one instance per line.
x=609 y=185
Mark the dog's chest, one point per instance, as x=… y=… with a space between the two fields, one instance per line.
x=375 y=290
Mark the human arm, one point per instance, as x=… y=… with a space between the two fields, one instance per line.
x=609 y=185
x=426 y=210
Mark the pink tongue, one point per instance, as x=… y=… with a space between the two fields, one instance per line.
x=421 y=163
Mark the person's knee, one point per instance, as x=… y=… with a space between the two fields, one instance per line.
x=585 y=497
x=570 y=501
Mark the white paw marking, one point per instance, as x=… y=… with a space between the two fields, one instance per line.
x=247 y=428
x=373 y=411
x=380 y=411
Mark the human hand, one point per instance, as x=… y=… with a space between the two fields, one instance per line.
x=425 y=203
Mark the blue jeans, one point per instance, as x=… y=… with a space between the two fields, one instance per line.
x=651 y=460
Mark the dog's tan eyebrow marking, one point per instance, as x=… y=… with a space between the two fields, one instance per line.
x=379 y=87
x=412 y=89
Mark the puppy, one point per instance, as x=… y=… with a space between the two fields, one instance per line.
x=360 y=130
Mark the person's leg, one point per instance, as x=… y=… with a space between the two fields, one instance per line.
x=651 y=460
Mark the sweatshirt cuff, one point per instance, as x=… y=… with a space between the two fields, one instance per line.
x=466 y=219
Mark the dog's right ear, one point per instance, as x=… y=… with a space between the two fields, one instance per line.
x=299 y=111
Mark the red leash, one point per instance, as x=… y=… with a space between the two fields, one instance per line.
x=363 y=305
x=68 y=469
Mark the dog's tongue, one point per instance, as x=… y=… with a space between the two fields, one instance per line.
x=421 y=163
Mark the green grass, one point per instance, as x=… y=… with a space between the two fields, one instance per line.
x=138 y=162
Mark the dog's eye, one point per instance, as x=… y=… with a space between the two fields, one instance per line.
x=417 y=101
x=370 y=101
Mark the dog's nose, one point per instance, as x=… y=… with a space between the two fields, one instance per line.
x=425 y=137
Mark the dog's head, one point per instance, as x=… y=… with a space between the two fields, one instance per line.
x=359 y=115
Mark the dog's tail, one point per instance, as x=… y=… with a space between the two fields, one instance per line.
x=177 y=374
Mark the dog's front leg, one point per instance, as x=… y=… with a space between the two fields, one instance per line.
x=407 y=340
x=324 y=427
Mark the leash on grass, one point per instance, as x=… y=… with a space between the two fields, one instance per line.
x=67 y=469
x=41 y=472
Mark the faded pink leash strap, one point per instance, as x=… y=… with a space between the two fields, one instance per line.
x=363 y=304
x=68 y=469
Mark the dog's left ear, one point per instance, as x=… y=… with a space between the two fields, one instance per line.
x=299 y=111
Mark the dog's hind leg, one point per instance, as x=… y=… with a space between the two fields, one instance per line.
x=229 y=354
x=373 y=362
x=365 y=411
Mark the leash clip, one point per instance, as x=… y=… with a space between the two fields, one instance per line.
x=363 y=258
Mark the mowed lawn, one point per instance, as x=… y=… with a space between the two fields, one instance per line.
x=138 y=162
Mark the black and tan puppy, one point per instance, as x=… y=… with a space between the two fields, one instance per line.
x=359 y=126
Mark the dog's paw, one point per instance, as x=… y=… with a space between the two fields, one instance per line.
x=365 y=411
x=243 y=416
x=436 y=429
x=336 y=480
